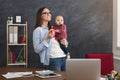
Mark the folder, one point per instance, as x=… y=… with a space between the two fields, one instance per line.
x=15 y=34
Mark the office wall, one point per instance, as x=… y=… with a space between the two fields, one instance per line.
x=89 y=24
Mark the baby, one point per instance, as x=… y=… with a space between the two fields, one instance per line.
x=60 y=33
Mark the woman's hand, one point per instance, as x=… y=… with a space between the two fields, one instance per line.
x=50 y=34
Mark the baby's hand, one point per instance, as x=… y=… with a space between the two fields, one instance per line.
x=64 y=42
x=57 y=31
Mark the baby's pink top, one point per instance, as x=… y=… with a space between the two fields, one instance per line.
x=62 y=34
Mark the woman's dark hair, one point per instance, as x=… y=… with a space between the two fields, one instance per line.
x=39 y=19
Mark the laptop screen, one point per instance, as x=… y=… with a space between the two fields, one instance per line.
x=83 y=69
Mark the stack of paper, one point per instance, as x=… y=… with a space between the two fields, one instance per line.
x=16 y=74
x=46 y=74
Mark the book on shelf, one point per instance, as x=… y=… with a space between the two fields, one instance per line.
x=13 y=34
x=11 y=56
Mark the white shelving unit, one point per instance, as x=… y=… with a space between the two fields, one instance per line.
x=14 y=45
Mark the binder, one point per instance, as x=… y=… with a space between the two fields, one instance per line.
x=15 y=34
x=11 y=28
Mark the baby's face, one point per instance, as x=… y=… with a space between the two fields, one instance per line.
x=59 y=20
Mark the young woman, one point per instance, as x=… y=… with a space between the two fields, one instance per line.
x=44 y=43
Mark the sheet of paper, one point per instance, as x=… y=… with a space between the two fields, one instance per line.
x=103 y=78
x=16 y=74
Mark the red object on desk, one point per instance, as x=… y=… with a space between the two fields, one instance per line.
x=106 y=61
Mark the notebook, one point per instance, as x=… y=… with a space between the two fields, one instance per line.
x=83 y=69
x=46 y=74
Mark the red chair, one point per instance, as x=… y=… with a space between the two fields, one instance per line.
x=106 y=61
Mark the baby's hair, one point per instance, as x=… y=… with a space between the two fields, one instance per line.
x=58 y=15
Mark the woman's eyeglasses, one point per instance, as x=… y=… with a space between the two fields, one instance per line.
x=47 y=13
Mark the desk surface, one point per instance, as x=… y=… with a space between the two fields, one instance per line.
x=4 y=70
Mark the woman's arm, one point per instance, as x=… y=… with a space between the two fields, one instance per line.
x=41 y=39
x=39 y=43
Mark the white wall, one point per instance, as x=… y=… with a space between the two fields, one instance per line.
x=116 y=29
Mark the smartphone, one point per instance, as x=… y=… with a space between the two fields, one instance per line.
x=52 y=74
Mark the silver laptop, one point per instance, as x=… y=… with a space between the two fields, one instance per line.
x=83 y=69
